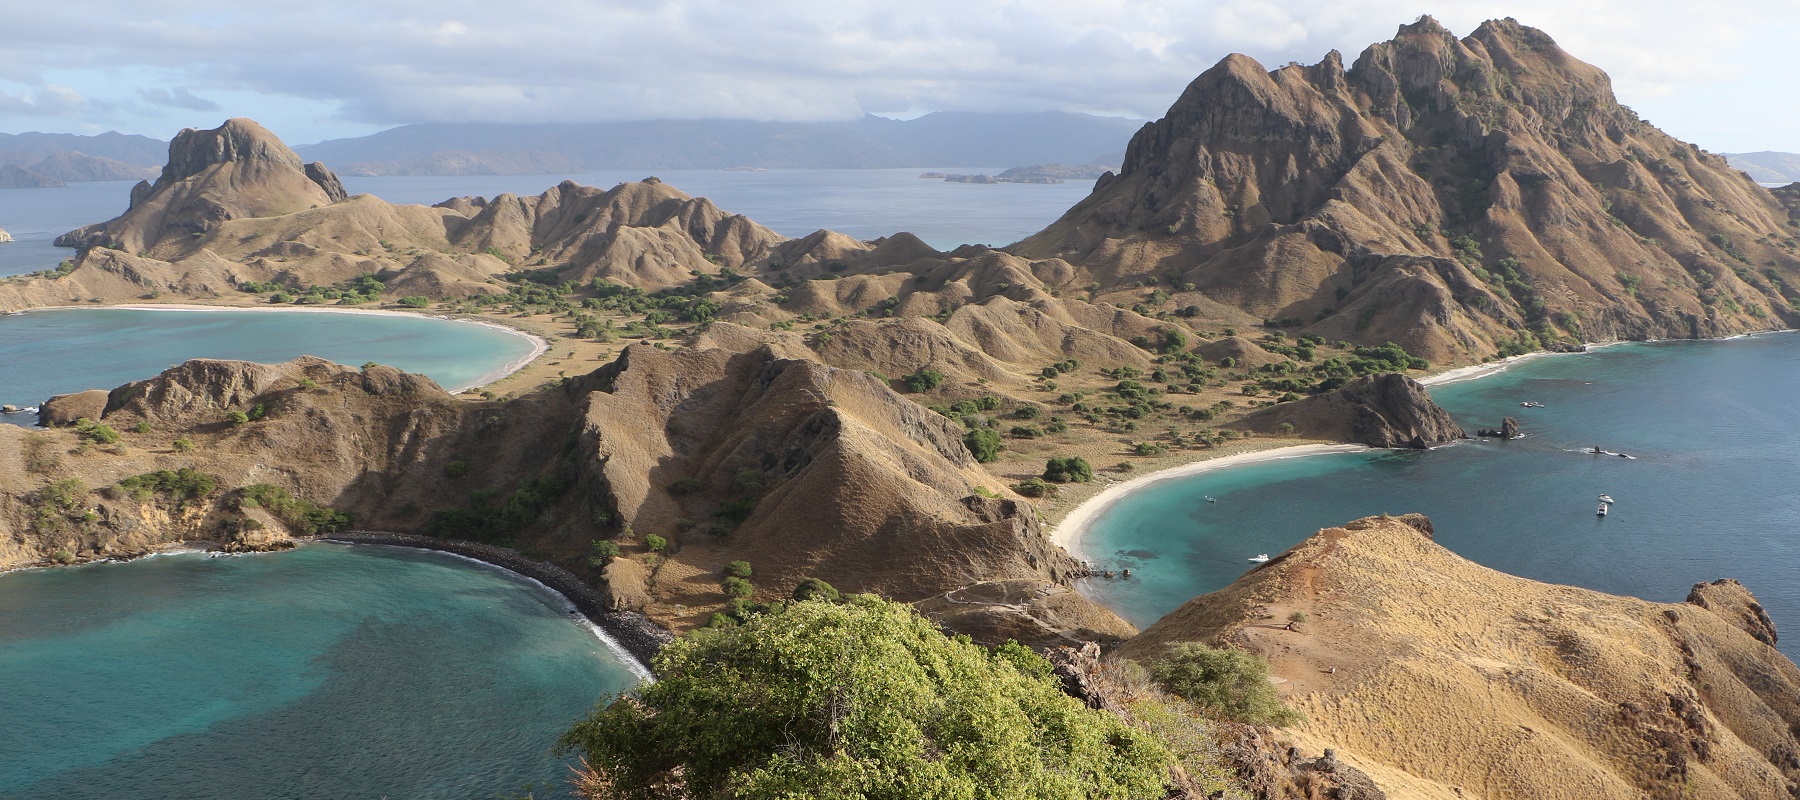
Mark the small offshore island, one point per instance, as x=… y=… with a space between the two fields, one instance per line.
x=732 y=429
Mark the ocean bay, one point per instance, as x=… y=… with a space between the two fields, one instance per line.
x=1710 y=426
x=328 y=671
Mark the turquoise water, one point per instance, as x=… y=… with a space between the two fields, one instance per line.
x=864 y=203
x=45 y=353
x=329 y=671
x=1714 y=428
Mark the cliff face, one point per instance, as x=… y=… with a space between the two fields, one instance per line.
x=1440 y=678
x=1447 y=194
x=1386 y=410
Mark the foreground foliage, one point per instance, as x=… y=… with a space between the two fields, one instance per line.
x=861 y=700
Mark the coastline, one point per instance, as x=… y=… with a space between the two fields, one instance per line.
x=539 y=345
x=1068 y=532
x=629 y=633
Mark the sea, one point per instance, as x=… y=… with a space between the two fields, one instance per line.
x=56 y=351
x=1700 y=450
x=862 y=203
x=347 y=671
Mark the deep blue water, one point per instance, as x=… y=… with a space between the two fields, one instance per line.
x=1711 y=493
x=862 y=203
x=330 y=671
x=45 y=353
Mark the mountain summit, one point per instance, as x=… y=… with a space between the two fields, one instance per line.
x=1458 y=196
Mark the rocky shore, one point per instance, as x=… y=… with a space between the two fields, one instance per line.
x=633 y=631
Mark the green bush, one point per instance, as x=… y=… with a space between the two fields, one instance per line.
x=1229 y=683
x=182 y=445
x=738 y=587
x=456 y=469
x=738 y=569
x=415 y=301
x=179 y=486
x=924 y=380
x=304 y=516
x=861 y=700
x=96 y=432
x=601 y=551
x=237 y=418
x=1068 y=469
x=1034 y=487
x=656 y=543
x=815 y=589
x=983 y=443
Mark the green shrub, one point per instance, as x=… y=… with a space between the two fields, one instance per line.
x=738 y=587
x=656 y=543
x=304 y=516
x=1229 y=683
x=1068 y=469
x=983 y=443
x=601 y=551
x=96 y=432
x=1034 y=487
x=738 y=569
x=865 y=699
x=178 y=487
x=182 y=445
x=415 y=301
x=142 y=427
x=924 y=380
x=815 y=589
x=456 y=469
x=236 y=418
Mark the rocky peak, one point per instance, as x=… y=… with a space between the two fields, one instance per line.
x=1388 y=410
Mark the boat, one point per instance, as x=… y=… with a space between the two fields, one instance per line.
x=1531 y=404
x=1607 y=499
x=1260 y=558
x=1211 y=499
x=1602 y=511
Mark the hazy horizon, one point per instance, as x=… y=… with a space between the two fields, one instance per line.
x=313 y=72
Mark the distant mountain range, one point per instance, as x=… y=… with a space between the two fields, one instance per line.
x=945 y=139
x=1768 y=166
x=37 y=160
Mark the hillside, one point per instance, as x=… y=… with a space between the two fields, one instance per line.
x=27 y=149
x=1440 y=678
x=1462 y=197
x=943 y=139
x=1767 y=166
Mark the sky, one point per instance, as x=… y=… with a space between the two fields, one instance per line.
x=1720 y=74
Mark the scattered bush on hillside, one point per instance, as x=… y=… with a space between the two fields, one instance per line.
x=924 y=380
x=178 y=487
x=864 y=699
x=303 y=516
x=815 y=589
x=96 y=432
x=984 y=444
x=738 y=569
x=1226 y=682
x=1068 y=469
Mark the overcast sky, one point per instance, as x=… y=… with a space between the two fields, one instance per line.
x=1722 y=73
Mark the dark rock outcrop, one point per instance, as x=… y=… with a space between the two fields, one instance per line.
x=1509 y=429
x=1388 y=410
x=1731 y=600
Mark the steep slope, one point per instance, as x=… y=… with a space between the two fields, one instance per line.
x=1454 y=195
x=1444 y=679
x=740 y=447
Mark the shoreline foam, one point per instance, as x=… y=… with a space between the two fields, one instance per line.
x=1068 y=532
x=539 y=345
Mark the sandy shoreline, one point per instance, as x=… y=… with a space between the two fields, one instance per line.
x=1067 y=534
x=539 y=345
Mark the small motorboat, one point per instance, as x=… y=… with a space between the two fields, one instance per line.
x=1260 y=558
x=1602 y=511
x=1211 y=499
x=1531 y=404
x=1607 y=499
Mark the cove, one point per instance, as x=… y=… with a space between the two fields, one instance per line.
x=328 y=671
x=1713 y=428
x=55 y=351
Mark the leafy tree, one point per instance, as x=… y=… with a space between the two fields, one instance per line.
x=303 y=515
x=738 y=569
x=983 y=443
x=1034 y=487
x=1227 y=682
x=182 y=444
x=738 y=587
x=924 y=380
x=1068 y=469
x=601 y=551
x=96 y=432
x=861 y=700
x=656 y=543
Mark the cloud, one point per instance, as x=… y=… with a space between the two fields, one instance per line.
x=356 y=65
x=176 y=98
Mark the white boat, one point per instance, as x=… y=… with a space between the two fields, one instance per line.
x=1211 y=499
x=1607 y=499
x=1531 y=404
x=1260 y=558
x=1602 y=511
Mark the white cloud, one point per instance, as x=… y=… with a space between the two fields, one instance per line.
x=335 y=67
